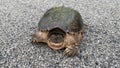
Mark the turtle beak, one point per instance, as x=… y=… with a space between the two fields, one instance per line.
x=56 y=42
x=56 y=38
x=55 y=46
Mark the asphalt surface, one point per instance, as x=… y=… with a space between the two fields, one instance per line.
x=100 y=46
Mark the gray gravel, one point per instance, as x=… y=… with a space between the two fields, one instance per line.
x=100 y=47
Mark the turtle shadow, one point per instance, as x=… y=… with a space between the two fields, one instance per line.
x=39 y=44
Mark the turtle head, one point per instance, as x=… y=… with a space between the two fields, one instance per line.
x=56 y=38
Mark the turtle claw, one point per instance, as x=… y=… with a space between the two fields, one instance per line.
x=70 y=51
x=34 y=40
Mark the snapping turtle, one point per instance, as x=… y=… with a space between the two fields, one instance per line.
x=60 y=27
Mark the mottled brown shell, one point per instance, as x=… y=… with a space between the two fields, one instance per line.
x=65 y=18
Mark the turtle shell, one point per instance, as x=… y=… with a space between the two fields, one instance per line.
x=64 y=18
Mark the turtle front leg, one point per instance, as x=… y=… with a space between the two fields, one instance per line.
x=40 y=36
x=71 y=46
x=71 y=51
x=72 y=40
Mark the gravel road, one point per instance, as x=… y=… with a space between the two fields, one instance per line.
x=100 y=46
